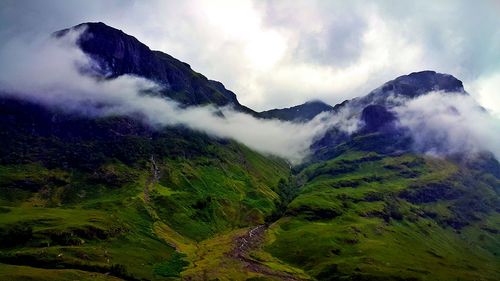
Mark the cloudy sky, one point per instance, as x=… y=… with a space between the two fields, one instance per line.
x=282 y=53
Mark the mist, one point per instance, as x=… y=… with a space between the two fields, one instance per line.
x=56 y=73
x=443 y=124
x=50 y=71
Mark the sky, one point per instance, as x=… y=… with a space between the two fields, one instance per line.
x=282 y=53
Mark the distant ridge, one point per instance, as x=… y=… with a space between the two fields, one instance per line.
x=298 y=113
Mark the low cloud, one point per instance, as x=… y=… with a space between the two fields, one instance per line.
x=49 y=71
x=282 y=53
x=449 y=124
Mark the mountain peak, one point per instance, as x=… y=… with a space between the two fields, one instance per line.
x=95 y=25
x=96 y=28
x=300 y=113
x=117 y=53
x=315 y=102
x=417 y=83
x=410 y=86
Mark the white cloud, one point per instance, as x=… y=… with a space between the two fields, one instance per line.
x=487 y=91
x=48 y=71
x=450 y=123
x=272 y=53
x=281 y=53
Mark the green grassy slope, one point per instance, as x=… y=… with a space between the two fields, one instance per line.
x=112 y=199
x=85 y=198
x=366 y=216
x=72 y=222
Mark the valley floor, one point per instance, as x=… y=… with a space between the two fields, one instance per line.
x=235 y=255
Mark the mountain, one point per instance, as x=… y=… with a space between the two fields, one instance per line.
x=113 y=198
x=411 y=86
x=117 y=53
x=370 y=208
x=389 y=94
x=299 y=113
x=366 y=215
x=374 y=111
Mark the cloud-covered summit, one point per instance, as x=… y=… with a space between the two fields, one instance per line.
x=116 y=53
x=49 y=71
x=274 y=56
x=56 y=72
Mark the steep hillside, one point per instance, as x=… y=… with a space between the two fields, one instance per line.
x=369 y=207
x=111 y=195
x=365 y=215
x=389 y=95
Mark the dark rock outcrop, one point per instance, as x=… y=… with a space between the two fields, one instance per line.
x=410 y=86
x=418 y=83
x=298 y=113
x=117 y=53
x=375 y=113
x=377 y=118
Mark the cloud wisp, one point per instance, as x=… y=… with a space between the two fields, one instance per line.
x=449 y=124
x=48 y=71
x=282 y=53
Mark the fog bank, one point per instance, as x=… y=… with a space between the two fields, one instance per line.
x=50 y=71
x=450 y=123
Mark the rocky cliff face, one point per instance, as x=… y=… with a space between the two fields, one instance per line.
x=390 y=94
x=377 y=118
x=374 y=111
x=117 y=53
x=410 y=86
